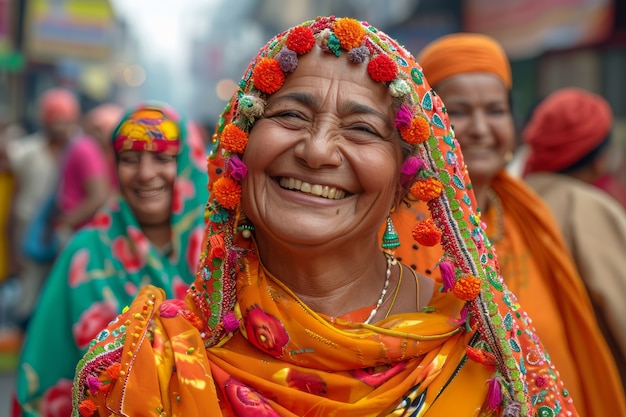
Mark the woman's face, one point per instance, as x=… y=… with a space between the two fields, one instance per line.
x=147 y=182
x=478 y=106
x=324 y=161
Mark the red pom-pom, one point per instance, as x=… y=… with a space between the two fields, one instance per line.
x=382 y=68
x=300 y=40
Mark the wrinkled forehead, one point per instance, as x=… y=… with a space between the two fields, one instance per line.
x=336 y=78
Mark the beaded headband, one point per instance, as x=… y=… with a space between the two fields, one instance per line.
x=147 y=129
x=434 y=170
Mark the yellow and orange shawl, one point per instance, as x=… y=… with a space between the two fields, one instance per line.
x=242 y=344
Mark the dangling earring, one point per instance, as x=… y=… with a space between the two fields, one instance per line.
x=390 y=238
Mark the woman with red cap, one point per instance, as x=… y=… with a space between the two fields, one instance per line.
x=471 y=75
x=569 y=139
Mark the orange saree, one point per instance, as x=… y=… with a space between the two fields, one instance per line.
x=284 y=360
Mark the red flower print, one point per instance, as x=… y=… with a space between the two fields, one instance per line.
x=306 y=382
x=78 y=267
x=183 y=190
x=139 y=240
x=179 y=287
x=92 y=321
x=246 y=402
x=266 y=332
x=194 y=247
x=376 y=376
x=122 y=251
x=101 y=220
x=131 y=289
x=57 y=400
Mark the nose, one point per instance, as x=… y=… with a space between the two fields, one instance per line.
x=479 y=125
x=146 y=169
x=320 y=149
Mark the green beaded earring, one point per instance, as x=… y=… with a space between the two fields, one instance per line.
x=390 y=237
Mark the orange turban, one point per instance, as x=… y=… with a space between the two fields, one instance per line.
x=460 y=53
x=564 y=127
x=58 y=104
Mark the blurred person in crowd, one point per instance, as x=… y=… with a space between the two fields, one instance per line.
x=569 y=138
x=87 y=176
x=10 y=340
x=150 y=233
x=34 y=162
x=471 y=74
x=298 y=308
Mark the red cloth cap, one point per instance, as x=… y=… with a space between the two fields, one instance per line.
x=58 y=104
x=564 y=127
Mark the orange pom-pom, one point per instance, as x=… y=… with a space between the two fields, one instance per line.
x=480 y=356
x=216 y=245
x=427 y=233
x=227 y=192
x=192 y=318
x=234 y=139
x=349 y=32
x=113 y=371
x=267 y=75
x=427 y=189
x=417 y=132
x=106 y=387
x=87 y=408
x=467 y=288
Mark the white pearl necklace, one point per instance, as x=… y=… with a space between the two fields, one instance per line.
x=390 y=261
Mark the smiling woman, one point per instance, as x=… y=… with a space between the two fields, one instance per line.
x=150 y=233
x=298 y=309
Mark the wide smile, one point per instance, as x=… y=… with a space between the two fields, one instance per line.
x=151 y=192
x=318 y=190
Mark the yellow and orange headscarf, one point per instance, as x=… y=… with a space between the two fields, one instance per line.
x=148 y=128
x=460 y=53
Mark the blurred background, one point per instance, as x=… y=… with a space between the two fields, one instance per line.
x=191 y=53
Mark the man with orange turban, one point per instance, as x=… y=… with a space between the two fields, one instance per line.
x=34 y=161
x=568 y=135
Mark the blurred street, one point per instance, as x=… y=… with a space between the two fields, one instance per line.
x=6 y=389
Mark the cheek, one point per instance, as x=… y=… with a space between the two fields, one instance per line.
x=124 y=176
x=169 y=174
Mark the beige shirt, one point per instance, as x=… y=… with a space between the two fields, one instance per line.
x=594 y=228
x=35 y=171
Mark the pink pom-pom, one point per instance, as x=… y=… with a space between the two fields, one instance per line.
x=230 y=322
x=170 y=308
x=238 y=169
x=404 y=117
x=447 y=275
x=94 y=384
x=409 y=168
x=494 y=393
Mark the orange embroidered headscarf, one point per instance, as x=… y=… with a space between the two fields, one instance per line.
x=244 y=344
x=460 y=53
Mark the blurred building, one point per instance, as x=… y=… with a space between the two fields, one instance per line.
x=70 y=43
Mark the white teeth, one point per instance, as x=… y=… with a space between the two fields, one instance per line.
x=314 y=189
x=148 y=193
